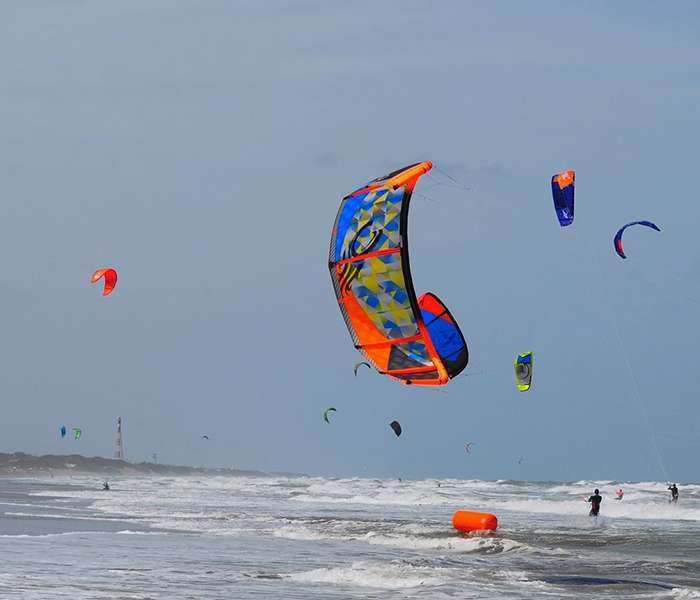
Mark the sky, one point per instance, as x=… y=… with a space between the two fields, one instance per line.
x=202 y=148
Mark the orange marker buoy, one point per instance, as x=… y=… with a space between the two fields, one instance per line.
x=466 y=520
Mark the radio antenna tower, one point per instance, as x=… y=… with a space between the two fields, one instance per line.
x=118 y=449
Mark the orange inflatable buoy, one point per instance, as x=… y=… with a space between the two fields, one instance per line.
x=466 y=520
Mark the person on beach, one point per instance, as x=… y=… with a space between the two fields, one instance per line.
x=620 y=494
x=595 y=501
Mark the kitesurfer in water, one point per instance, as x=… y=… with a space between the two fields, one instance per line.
x=105 y=486
x=674 y=493
x=620 y=494
x=595 y=501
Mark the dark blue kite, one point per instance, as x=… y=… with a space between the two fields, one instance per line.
x=563 y=194
x=618 y=235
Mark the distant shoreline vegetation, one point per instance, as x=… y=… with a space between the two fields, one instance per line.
x=48 y=464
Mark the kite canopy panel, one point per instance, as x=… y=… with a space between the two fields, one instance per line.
x=618 y=235
x=563 y=194
x=410 y=339
x=445 y=334
x=523 y=370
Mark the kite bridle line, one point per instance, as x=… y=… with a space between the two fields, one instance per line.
x=459 y=185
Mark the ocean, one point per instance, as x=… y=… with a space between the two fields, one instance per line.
x=284 y=537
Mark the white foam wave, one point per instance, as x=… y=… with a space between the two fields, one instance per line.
x=41 y=535
x=77 y=534
x=475 y=544
x=371 y=575
x=291 y=532
x=684 y=593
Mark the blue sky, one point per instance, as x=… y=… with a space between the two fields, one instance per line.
x=202 y=150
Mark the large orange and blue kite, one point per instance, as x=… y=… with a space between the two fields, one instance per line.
x=412 y=339
x=563 y=194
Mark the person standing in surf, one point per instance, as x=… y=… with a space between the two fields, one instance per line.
x=674 y=493
x=595 y=501
x=620 y=494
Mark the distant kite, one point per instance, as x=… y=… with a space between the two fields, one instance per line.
x=325 y=414
x=110 y=276
x=78 y=432
x=523 y=370
x=563 y=194
x=205 y=437
x=63 y=432
x=467 y=446
x=396 y=426
x=618 y=235
x=358 y=365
